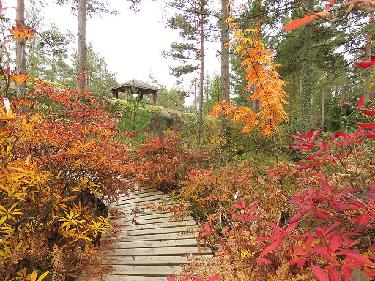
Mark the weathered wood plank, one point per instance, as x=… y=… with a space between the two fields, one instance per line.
x=142 y=225
x=149 y=270
x=143 y=217
x=133 y=278
x=145 y=260
x=166 y=251
x=125 y=204
x=178 y=229
x=156 y=244
x=143 y=199
x=155 y=237
x=139 y=211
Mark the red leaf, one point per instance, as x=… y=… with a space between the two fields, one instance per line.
x=275 y=244
x=241 y=205
x=324 y=184
x=366 y=64
x=341 y=135
x=369 y=112
x=319 y=273
x=362 y=220
x=296 y=218
x=207 y=230
x=214 y=277
x=263 y=261
x=335 y=242
x=299 y=22
x=366 y=125
x=334 y=275
x=299 y=262
x=357 y=257
x=361 y=102
x=170 y=278
x=321 y=214
x=322 y=250
x=291 y=227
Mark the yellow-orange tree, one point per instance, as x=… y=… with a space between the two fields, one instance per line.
x=262 y=80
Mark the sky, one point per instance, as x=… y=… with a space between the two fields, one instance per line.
x=131 y=43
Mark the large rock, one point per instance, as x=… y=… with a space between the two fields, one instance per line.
x=161 y=121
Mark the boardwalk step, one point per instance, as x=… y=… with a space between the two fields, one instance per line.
x=148 y=245
x=165 y=251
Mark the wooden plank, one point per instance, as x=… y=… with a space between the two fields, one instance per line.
x=141 y=211
x=142 y=199
x=149 y=270
x=166 y=251
x=160 y=230
x=144 y=217
x=145 y=260
x=145 y=203
x=157 y=223
x=155 y=237
x=144 y=194
x=156 y=244
x=113 y=277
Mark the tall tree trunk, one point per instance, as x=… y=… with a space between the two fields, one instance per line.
x=323 y=110
x=224 y=39
x=306 y=94
x=195 y=96
x=368 y=52
x=20 y=46
x=258 y=4
x=81 y=67
x=201 y=84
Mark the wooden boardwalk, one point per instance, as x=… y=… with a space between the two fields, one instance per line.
x=148 y=245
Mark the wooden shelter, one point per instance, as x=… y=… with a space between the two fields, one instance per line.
x=136 y=88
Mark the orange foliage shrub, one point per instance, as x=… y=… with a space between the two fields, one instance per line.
x=162 y=162
x=262 y=78
x=58 y=162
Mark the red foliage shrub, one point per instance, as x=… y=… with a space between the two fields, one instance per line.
x=325 y=226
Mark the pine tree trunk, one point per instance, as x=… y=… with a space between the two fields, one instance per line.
x=323 y=110
x=367 y=94
x=20 y=46
x=224 y=28
x=307 y=82
x=201 y=84
x=259 y=36
x=81 y=67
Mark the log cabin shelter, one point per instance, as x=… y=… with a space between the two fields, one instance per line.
x=138 y=89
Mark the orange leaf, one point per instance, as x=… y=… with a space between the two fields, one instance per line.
x=329 y=5
x=299 y=22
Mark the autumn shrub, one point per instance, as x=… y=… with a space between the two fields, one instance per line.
x=61 y=163
x=308 y=220
x=224 y=142
x=163 y=163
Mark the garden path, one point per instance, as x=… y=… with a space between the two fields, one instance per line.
x=148 y=246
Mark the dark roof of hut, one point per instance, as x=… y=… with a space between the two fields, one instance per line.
x=137 y=84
